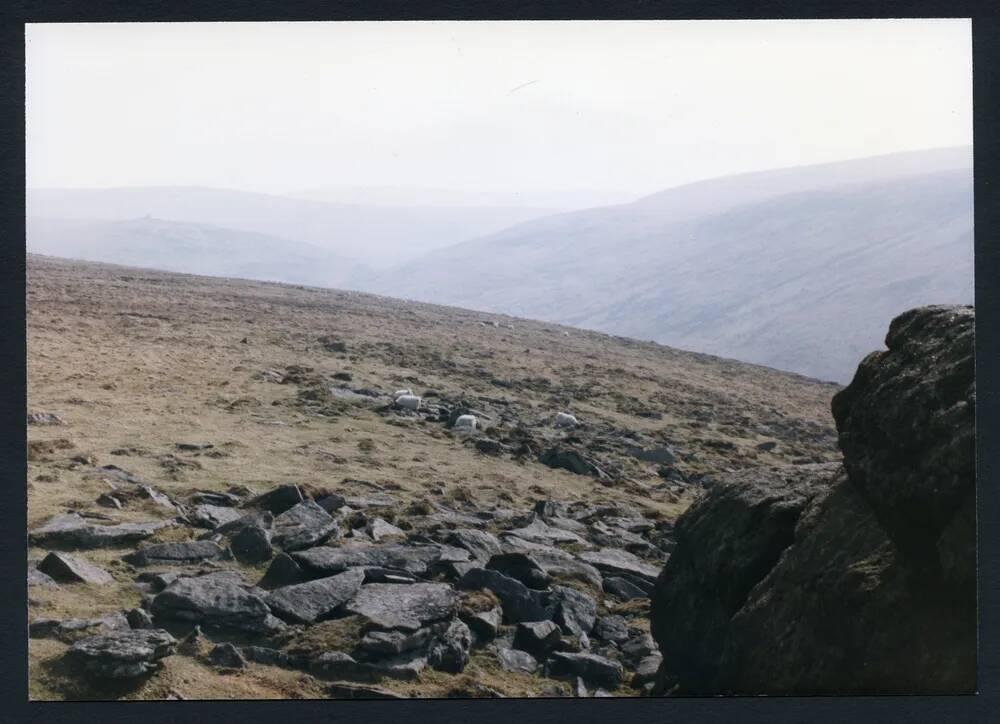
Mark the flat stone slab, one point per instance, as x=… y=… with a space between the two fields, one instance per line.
x=408 y=607
x=306 y=602
x=67 y=568
x=216 y=599
x=615 y=561
x=591 y=668
x=213 y=516
x=302 y=526
x=123 y=655
x=178 y=553
x=538 y=531
x=72 y=629
x=37 y=578
x=413 y=559
x=555 y=562
x=72 y=530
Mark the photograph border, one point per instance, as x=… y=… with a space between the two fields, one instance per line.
x=13 y=400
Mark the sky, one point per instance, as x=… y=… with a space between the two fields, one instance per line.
x=626 y=107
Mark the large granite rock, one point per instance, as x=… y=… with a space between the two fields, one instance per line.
x=859 y=581
x=73 y=531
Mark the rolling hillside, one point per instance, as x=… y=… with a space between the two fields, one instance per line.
x=795 y=269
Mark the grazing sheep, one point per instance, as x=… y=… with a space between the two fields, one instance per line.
x=408 y=402
x=465 y=422
x=564 y=419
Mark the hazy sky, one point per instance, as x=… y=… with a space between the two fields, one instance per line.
x=486 y=106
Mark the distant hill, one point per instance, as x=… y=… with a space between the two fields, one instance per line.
x=376 y=235
x=190 y=248
x=555 y=201
x=796 y=269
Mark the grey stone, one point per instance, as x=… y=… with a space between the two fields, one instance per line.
x=37 y=578
x=479 y=543
x=450 y=650
x=646 y=670
x=278 y=500
x=307 y=602
x=390 y=606
x=624 y=589
x=302 y=526
x=611 y=628
x=71 y=629
x=380 y=530
x=537 y=637
x=139 y=619
x=251 y=545
x=575 y=610
x=519 y=602
x=484 y=624
x=591 y=668
x=263 y=519
x=124 y=654
x=413 y=559
x=66 y=568
x=216 y=599
x=516 y=660
x=213 y=516
x=380 y=644
x=179 y=553
x=538 y=531
x=521 y=567
x=639 y=647
x=73 y=531
x=613 y=561
x=227 y=656
x=283 y=571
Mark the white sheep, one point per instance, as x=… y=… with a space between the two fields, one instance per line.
x=465 y=422
x=408 y=402
x=564 y=419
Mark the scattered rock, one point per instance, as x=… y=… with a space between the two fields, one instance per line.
x=216 y=599
x=516 y=660
x=390 y=606
x=251 y=545
x=307 y=602
x=304 y=525
x=139 y=619
x=180 y=553
x=347 y=690
x=283 y=571
x=591 y=668
x=519 y=602
x=279 y=500
x=413 y=559
x=537 y=637
x=380 y=530
x=479 y=543
x=521 y=567
x=73 y=531
x=66 y=568
x=44 y=418
x=612 y=629
x=227 y=656
x=576 y=612
x=123 y=655
x=616 y=562
x=72 y=629
x=213 y=516
x=450 y=651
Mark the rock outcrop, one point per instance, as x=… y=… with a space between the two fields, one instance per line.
x=858 y=581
